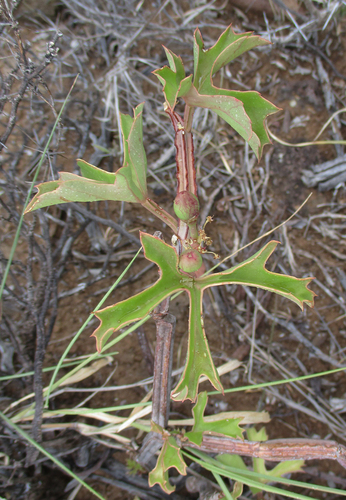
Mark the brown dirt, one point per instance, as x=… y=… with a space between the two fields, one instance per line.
x=324 y=326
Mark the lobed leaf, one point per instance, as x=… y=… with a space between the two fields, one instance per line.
x=127 y=184
x=170 y=457
x=227 y=427
x=173 y=78
x=138 y=306
x=198 y=359
x=199 y=362
x=73 y=188
x=252 y=272
x=244 y=111
x=229 y=46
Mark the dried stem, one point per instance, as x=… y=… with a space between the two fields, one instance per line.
x=165 y=327
x=29 y=72
x=276 y=450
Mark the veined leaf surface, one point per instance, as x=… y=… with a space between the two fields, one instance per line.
x=229 y=46
x=227 y=427
x=73 y=188
x=170 y=457
x=199 y=362
x=252 y=272
x=127 y=184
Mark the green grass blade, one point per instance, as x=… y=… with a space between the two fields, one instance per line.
x=222 y=485
x=247 y=478
x=16 y=237
x=26 y=436
x=97 y=355
x=279 y=382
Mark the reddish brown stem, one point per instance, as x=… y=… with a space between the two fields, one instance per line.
x=186 y=174
x=161 y=213
x=180 y=156
x=190 y=159
x=276 y=450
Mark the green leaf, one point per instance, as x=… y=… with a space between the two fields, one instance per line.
x=254 y=435
x=286 y=468
x=229 y=108
x=170 y=457
x=72 y=188
x=229 y=46
x=257 y=108
x=237 y=462
x=127 y=184
x=199 y=361
x=237 y=490
x=244 y=111
x=173 y=78
x=252 y=272
x=89 y=171
x=138 y=306
x=227 y=427
x=135 y=163
x=232 y=461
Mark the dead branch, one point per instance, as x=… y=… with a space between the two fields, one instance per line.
x=276 y=450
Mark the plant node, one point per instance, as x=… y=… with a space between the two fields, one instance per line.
x=190 y=261
x=186 y=206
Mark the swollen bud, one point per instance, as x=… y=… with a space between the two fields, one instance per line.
x=190 y=261
x=186 y=206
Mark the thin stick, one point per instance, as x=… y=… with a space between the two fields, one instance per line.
x=276 y=450
x=165 y=328
x=304 y=144
x=16 y=237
